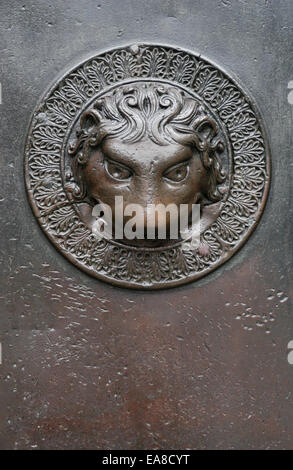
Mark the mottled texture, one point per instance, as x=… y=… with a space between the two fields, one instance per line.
x=87 y=365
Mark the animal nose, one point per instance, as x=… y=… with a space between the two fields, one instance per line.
x=153 y=216
x=156 y=221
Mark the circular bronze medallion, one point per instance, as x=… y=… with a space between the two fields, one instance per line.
x=155 y=125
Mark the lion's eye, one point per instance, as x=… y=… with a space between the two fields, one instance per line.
x=177 y=173
x=117 y=171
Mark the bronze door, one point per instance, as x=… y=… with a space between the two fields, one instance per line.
x=146 y=346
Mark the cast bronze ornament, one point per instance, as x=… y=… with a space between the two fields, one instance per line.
x=154 y=126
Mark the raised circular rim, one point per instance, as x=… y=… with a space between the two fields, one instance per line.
x=155 y=285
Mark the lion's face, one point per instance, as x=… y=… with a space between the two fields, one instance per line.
x=145 y=173
x=150 y=145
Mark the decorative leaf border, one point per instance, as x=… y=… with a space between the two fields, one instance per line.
x=122 y=265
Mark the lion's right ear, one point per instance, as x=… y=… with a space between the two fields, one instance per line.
x=89 y=121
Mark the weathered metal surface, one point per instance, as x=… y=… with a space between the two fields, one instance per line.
x=88 y=365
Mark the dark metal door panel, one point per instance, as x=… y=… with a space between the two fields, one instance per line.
x=88 y=365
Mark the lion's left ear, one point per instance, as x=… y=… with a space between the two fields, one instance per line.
x=206 y=128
